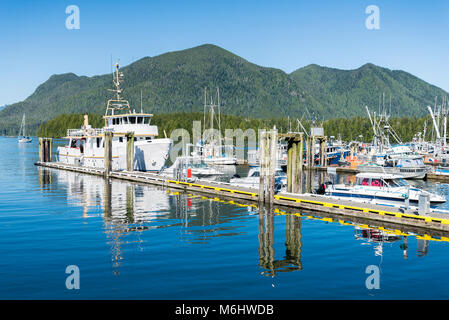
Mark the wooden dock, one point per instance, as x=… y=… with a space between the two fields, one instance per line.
x=341 y=208
x=438 y=177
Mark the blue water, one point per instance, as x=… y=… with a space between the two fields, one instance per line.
x=149 y=243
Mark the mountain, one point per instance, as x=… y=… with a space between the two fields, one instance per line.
x=175 y=81
x=170 y=82
x=345 y=93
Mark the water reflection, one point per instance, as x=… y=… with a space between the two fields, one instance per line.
x=128 y=209
x=293 y=244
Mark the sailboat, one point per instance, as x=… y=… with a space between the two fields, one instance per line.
x=22 y=137
x=211 y=149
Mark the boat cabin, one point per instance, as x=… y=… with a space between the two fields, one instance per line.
x=376 y=180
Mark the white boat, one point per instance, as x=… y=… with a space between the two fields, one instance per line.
x=253 y=179
x=441 y=171
x=408 y=167
x=23 y=138
x=210 y=150
x=211 y=153
x=86 y=145
x=378 y=188
x=281 y=156
x=190 y=167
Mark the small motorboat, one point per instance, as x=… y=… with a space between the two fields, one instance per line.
x=378 y=188
x=193 y=167
x=253 y=179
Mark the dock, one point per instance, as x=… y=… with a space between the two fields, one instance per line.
x=340 y=208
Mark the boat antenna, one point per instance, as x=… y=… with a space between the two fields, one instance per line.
x=141 y=102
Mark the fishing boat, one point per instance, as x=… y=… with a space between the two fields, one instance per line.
x=378 y=188
x=23 y=138
x=86 y=145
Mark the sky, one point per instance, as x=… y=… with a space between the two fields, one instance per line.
x=35 y=42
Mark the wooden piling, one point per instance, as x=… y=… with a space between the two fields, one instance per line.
x=41 y=149
x=107 y=153
x=299 y=164
x=130 y=151
x=322 y=151
x=262 y=146
x=273 y=163
x=267 y=149
x=49 y=149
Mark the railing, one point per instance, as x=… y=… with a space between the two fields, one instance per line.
x=83 y=132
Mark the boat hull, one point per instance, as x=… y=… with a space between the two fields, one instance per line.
x=148 y=156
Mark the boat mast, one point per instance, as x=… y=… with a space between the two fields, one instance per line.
x=117 y=103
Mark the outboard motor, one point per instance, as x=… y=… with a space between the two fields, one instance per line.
x=322 y=188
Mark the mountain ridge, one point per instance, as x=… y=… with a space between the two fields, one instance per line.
x=175 y=81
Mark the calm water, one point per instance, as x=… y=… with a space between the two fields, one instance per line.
x=140 y=242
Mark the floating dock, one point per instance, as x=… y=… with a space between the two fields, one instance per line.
x=340 y=208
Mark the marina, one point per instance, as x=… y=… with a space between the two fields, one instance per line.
x=121 y=232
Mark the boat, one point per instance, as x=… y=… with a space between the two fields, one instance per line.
x=23 y=138
x=189 y=167
x=211 y=153
x=378 y=188
x=86 y=145
x=253 y=179
x=281 y=156
x=408 y=167
x=210 y=150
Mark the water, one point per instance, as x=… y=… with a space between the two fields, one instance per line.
x=141 y=242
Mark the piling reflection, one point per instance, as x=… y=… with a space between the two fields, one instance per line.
x=293 y=244
x=45 y=177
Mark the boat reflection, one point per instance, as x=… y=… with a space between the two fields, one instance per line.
x=126 y=210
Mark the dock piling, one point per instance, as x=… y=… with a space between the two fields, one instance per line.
x=295 y=145
x=268 y=147
x=45 y=146
x=130 y=151
x=107 y=153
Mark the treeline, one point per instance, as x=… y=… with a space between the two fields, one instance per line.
x=348 y=129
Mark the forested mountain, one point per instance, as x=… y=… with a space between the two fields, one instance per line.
x=175 y=82
x=345 y=93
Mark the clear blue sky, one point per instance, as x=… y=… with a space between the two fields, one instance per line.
x=413 y=36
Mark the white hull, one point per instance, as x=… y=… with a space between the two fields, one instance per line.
x=148 y=156
x=25 y=140
x=220 y=161
x=406 y=173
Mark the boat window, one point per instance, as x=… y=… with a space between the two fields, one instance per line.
x=364 y=182
x=147 y=138
x=280 y=173
x=139 y=120
x=132 y=120
x=98 y=142
x=120 y=139
x=125 y=120
x=256 y=174
x=377 y=183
